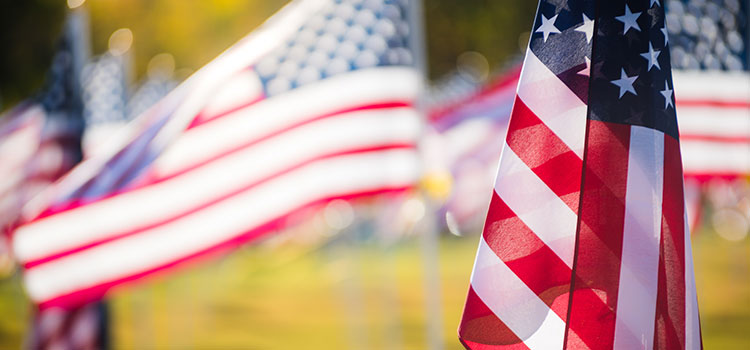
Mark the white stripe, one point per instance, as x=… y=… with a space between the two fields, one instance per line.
x=536 y=205
x=514 y=303
x=553 y=102
x=636 y=300
x=222 y=221
x=715 y=157
x=16 y=150
x=692 y=321
x=239 y=89
x=353 y=89
x=716 y=85
x=714 y=121
x=153 y=204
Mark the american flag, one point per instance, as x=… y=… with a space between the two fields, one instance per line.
x=315 y=105
x=586 y=245
x=39 y=142
x=710 y=41
x=40 y=138
x=150 y=91
x=105 y=94
x=468 y=128
x=714 y=115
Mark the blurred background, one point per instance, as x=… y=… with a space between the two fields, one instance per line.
x=340 y=279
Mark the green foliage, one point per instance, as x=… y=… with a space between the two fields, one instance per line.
x=287 y=298
x=193 y=31
x=196 y=31
x=496 y=29
x=28 y=32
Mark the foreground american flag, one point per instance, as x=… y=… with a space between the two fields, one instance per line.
x=315 y=105
x=586 y=244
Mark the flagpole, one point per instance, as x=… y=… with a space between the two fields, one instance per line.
x=78 y=27
x=429 y=238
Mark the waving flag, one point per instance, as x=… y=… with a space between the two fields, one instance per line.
x=586 y=244
x=469 y=129
x=714 y=114
x=713 y=93
x=40 y=140
x=315 y=105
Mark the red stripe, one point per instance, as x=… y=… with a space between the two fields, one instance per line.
x=715 y=138
x=244 y=188
x=547 y=156
x=376 y=106
x=599 y=241
x=533 y=261
x=481 y=329
x=151 y=179
x=84 y=295
x=712 y=103
x=527 y=255
x=707 y=175
x=669 y=328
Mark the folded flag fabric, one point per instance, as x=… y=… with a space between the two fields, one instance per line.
x=315 y=105
x=586 y=244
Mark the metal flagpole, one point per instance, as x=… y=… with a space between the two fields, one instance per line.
x=79 y=30
x=430 y=243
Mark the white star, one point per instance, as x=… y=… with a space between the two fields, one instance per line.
x=666 y=36
x=629 y=20
x=586 y=71
x=586 y=28
x=625 y=83
x=548 y=27
x=667 y=93
x=654 y=2
x=652 y=56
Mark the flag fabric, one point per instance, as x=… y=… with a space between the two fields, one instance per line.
x=468 y=129
x=105 y=94
x=149 y=92
x=39 y=142
x=315 y=105
x=713 y=94
x=40 y=138
x=20 y=143
x=83 y=327
x=714 y=115
x=586 y=244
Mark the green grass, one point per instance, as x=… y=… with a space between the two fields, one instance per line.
x=345 y=296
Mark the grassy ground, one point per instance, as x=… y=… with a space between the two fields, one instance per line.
x=347 y=296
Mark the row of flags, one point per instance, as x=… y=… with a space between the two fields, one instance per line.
x=585 y=244
x=206 y=169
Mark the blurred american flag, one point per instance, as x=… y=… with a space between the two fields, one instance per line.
x=316 y=105
x=39 y=142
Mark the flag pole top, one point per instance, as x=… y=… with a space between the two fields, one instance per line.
x=120 y=41
x=75 y=3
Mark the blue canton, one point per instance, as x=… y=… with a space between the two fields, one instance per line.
x=345 y=35
x=631 y=79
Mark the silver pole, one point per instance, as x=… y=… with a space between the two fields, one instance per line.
x=430 y=238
